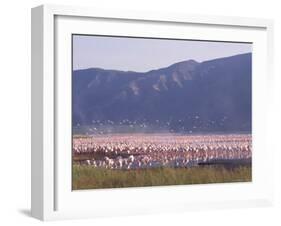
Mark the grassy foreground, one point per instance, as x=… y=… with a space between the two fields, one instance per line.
x=87 y=177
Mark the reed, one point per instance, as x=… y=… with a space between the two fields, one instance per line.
x=89 y=177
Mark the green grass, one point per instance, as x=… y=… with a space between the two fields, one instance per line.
x=87 y=177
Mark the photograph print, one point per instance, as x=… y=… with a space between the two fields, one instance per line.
x=159 y=112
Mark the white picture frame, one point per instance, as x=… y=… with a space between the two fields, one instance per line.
x=52 y=197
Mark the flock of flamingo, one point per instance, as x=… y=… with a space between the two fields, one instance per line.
x=124 y=151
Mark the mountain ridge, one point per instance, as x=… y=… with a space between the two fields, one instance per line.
x=132 y=71
x=211 y=90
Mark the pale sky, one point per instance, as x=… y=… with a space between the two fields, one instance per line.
x=139 y=54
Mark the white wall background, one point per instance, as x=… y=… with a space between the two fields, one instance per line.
x=15 y=111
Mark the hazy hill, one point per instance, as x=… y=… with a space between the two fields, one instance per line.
x=211 y=96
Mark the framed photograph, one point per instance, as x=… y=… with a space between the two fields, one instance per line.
x=137 y=112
